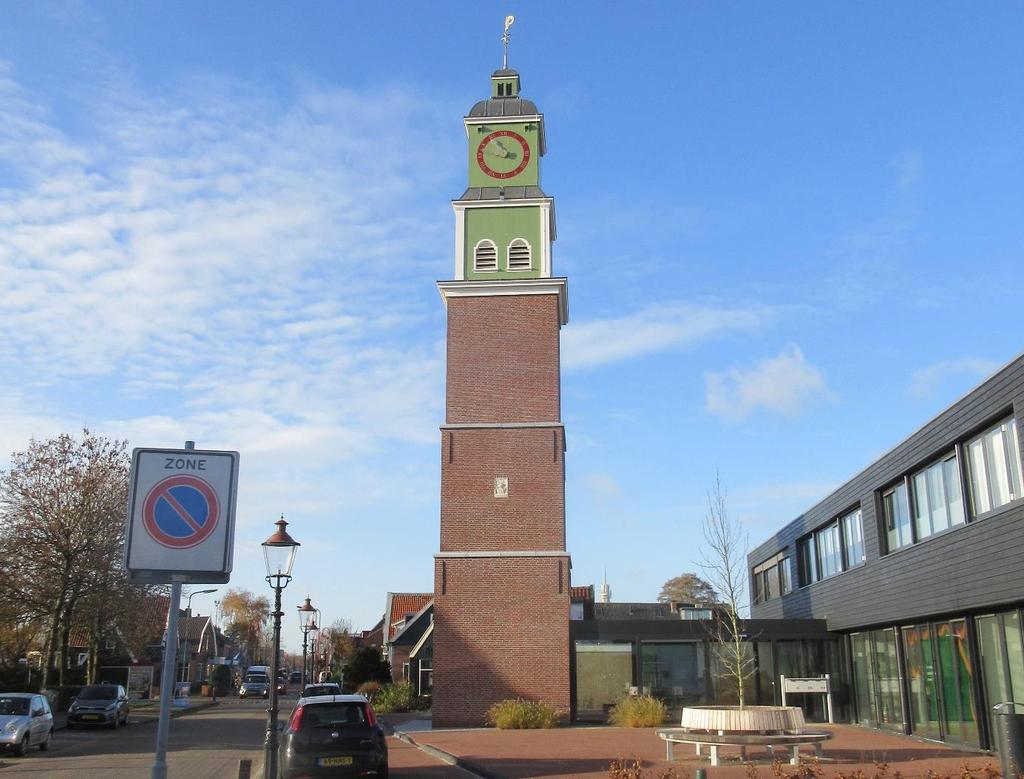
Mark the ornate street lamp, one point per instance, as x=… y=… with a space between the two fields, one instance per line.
x=279 y=552
x=307 y=612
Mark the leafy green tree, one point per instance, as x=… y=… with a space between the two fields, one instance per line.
x=366 y=665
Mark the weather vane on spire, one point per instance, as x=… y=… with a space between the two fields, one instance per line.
x=505 y=37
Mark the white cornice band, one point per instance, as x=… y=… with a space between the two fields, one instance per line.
x=478 y=289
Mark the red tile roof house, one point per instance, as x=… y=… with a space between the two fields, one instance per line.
x=404 y=613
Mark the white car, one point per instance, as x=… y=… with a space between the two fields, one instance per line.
x=25 y=721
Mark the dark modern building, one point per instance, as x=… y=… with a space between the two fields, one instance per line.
x=918 y=561
x=668 y=650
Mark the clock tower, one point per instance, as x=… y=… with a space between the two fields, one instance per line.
x=501 y=577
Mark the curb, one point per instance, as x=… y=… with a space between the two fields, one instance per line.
x=446 y=757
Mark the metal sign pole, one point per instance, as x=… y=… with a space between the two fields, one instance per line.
x=167 y=676
x=167 y=684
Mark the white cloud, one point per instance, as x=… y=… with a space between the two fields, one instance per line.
x=926 y=381
x=657 y=327
x=221 y=264
x=785 y=384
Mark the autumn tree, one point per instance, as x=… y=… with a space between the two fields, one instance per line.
x=688 y=588
x=62 y=507
x=246 y=615
x=725 y=566
x=339 y=647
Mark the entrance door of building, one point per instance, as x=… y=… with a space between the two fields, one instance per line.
x=940 y=681
x=1002 y=660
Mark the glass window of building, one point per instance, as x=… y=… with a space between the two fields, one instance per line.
x=853 y=539
x=808 y=561
x=994 y=464
x=830 y=557
x=897 y=517
x=675 y=672
x=604 y=674
x=786 y=575
x=938 y=504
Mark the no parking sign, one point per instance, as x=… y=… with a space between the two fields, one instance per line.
x=181 y=516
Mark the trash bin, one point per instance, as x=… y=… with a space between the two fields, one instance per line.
x=1009 y=727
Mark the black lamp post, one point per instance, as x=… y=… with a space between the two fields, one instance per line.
x=279 y=551
x=306 y=623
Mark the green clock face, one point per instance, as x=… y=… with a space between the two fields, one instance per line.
x=503 y=154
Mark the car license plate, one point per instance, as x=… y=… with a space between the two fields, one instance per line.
x=327 y=761
x=91 y=716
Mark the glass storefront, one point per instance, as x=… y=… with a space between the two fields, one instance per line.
x=940 y=679
x=876 y=679
x=675 y=672
x=604 y=673
x=1002 y=659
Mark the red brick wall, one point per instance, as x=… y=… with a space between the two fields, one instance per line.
x=532 y=517
x=503 y=360
x=501 y=630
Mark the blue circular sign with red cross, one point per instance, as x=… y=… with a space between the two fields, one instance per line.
x=180 y=511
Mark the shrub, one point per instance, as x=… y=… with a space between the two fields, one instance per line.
x=631 y=768
x=369 y=689
x=520 y=715
x=394 y=697
x=638 y=712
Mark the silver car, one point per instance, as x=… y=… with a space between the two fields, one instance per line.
x=25 y=721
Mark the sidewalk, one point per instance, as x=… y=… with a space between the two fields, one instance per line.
x=586 y=753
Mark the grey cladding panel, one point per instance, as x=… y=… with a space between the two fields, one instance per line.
x=971 y=567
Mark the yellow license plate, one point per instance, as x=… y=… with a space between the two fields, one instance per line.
x=91 y=716
x=326 y=761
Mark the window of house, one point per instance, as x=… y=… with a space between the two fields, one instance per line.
x=830 y=554
x=575 y=611
x=853 y=539
x=938 y=504
x=833 y=548
x=786 y=575
x=897 y=516
x=519 y=257
x=771 y=578
x=485 y=256
x=808 y=561
x=994 y=466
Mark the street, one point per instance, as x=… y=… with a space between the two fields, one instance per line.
x=206 y=744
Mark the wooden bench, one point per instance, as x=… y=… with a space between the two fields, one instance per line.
x=790 y=741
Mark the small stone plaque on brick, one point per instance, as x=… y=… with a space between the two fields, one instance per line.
x=501 y=486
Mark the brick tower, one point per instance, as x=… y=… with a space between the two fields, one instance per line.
x=501 y=579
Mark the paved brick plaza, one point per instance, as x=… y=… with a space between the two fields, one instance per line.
x=587 y=752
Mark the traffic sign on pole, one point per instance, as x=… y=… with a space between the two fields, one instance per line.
x=181 y=516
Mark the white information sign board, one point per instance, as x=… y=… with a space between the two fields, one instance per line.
x=181 y=516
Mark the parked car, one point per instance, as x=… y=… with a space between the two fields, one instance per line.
x=25 y=721
x=296 y=677
x=99 y=704
x=327 y=688
x=333 y=735
x=255 y=685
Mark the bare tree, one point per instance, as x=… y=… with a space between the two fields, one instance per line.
x=725 y=566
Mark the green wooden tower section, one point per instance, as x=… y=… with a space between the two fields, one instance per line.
x=504 y=223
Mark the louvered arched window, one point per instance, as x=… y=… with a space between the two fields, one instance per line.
x=519 y=255
x=485 y=256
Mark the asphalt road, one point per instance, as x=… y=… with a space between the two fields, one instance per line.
x=205 y=744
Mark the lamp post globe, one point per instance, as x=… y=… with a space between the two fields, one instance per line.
x=279 y=553
x=307 y=612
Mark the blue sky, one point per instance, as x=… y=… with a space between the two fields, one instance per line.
x=792 y=232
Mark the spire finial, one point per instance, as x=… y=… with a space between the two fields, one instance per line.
x=505 y=37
